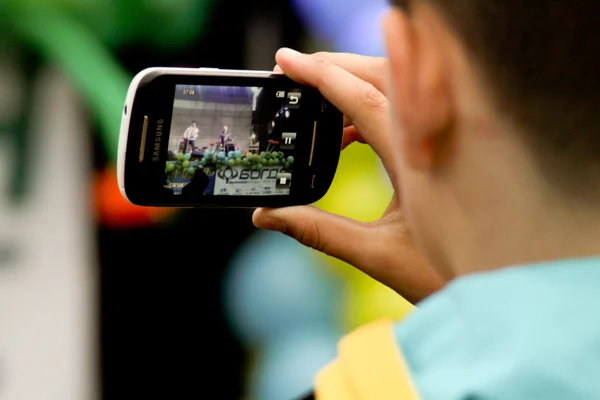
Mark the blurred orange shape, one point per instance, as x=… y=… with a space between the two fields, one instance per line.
x=113 y=210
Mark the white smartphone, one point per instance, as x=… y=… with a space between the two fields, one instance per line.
x=226 y=138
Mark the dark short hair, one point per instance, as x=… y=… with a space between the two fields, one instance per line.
x=540 y=61
x=194 y=122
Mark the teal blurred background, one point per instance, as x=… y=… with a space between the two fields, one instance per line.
x=103 y=300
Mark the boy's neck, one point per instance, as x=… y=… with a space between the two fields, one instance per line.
x=500 y=209
x=539 y=236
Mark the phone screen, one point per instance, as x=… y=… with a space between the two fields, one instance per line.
x=228 y=140
x=232 y=140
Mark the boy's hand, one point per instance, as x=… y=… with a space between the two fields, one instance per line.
x=382 y=249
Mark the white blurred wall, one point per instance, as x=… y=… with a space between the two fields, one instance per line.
x=47 y=288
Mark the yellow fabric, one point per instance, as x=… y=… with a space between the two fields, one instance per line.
x=331 y=384
x=370 y=366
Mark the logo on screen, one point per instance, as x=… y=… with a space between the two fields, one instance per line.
x=229 y=175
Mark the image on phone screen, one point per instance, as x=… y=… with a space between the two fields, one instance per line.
x=232 y=141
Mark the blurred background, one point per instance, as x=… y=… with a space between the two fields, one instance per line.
x=103 y=300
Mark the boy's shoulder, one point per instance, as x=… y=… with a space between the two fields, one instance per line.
x=523 y=332
x=527 y=332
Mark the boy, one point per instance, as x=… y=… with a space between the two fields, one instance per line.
x=493 y=147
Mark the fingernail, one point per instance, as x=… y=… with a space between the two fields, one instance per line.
x=290 y=52
x=265 y=220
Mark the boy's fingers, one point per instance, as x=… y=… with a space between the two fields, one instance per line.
x=350 y=133
x=359 y=100
x=320 y=230
x=380 y=253
x=350 y=136
x=369 y=69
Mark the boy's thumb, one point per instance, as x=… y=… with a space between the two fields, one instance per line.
x=331 y=234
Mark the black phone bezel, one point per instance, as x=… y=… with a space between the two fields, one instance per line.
x=154 y=98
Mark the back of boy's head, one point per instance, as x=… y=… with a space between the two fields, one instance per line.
x=541 y=61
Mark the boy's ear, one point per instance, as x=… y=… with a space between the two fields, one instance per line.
x=419 y=85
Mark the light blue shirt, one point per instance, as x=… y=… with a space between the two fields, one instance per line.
x=521 y=333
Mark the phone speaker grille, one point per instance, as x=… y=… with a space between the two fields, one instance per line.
x=143 y=140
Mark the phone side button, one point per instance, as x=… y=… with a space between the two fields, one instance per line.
x=312 y=184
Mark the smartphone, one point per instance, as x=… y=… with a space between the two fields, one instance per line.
x=226 y=138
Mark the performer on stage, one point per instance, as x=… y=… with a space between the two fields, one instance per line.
x=189 y=137
x=225 y=140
